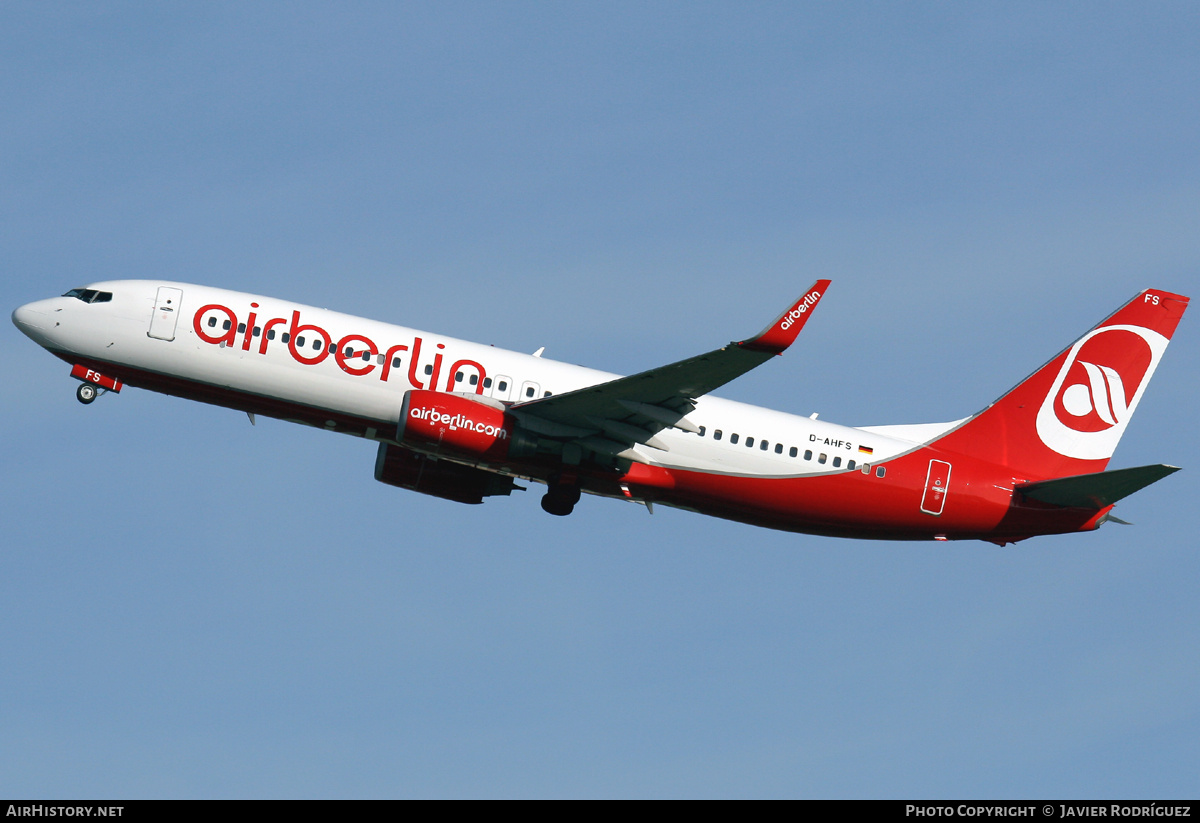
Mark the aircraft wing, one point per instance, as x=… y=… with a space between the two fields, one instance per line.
x=612 y=416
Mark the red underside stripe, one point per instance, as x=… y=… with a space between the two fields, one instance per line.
x=848 y=504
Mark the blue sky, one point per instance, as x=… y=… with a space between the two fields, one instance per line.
x=196 y=607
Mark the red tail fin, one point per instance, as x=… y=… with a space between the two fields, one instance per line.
x=1067 y=417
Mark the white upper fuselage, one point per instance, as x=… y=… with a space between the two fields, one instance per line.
x=269 y=348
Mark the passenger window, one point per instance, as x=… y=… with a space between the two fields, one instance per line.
x=317 y=344
x=779 y=448
x=366 y=355
x=395 y=362
x=241 y=328
x=749 y=442
x=212 y=322
x=270 y=334
x=529 y=391
x=487 y=382
x=880 y=472
x=257 y=331
x=866 y=469
x=837 y=462
x=429 y=369
x=821 y=459
x=701 y=431
x=547 y=394
x=850 y=465
x=808 y=454
x=503 y=385
x=286 y=337
x=458 y=377
x=717 y=434
x=226 y=325
x=474 y=380
x=793 y=451
x=733 y=438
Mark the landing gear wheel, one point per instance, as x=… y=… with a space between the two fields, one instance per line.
x=560 y=500
x=556 y=505
x=86 y=393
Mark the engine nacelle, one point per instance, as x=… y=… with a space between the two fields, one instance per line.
x=439 y=423
x=406 y=469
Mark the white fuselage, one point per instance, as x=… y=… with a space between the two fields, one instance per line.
x=251 y=359
x=461 y=420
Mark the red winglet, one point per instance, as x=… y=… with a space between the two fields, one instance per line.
x=783 y=331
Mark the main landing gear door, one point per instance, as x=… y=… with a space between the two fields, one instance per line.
x=166 y=313
x=936 y=484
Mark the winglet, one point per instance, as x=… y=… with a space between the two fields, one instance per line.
x=783 y=331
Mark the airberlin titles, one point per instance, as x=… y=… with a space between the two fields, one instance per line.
x=434 y=422
x=454 y=422
x=346 y=351
x=799 y=311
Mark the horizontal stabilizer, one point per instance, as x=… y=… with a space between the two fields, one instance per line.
x=1094 y=491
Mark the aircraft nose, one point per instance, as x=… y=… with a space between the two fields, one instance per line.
x=27 y=318
x=33 y=319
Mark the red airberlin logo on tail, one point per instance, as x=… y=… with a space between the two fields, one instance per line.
x=1097 y=389
x=1095 y=396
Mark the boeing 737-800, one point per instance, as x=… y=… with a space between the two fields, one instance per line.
x=465 y=421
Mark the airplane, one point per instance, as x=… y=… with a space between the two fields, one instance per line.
x=465 y=421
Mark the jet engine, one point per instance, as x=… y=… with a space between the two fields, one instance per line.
x=406 y=469
x=467 y=429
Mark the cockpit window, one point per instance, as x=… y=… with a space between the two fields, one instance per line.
x=90 y=295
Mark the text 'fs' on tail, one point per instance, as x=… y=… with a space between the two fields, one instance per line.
x=1068 y=416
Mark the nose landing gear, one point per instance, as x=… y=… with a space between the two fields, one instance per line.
x=86 y=393
x=93 y=383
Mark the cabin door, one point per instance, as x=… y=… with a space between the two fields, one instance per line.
x=166 y=313
x=937 y=481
